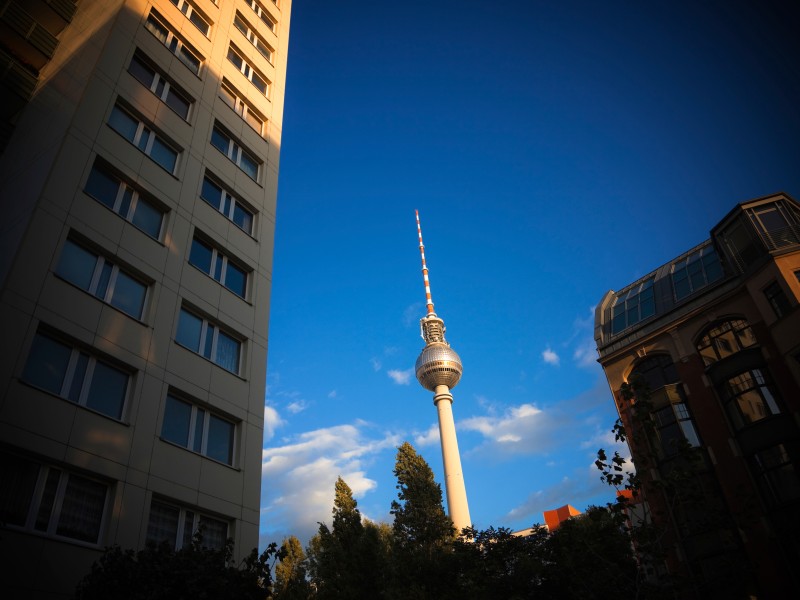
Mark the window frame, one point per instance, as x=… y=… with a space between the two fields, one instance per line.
x=736 y=330
x=733 y=391
x=248 y=71
x=101 y=287
x=233 y=99
x=678 y=416
x=127 y=199
x=182 y=537
x=207 y=350
x=264 y=15
x=767 y=469
x=163 y=82
x=219 y=264
x=227 y=204
x=235 y=151
x=144 y=137
x=80 y=369
x=44 y=493
x=191 y=12
x=200 y=421
x=183 y=51
x=777 y=299
x=686 y=271
x=632 y=299
x=244 y=27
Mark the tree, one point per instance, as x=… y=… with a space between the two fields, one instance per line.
x=422 y=534
x=290 y=572
x=349 y=560
x=162 y=573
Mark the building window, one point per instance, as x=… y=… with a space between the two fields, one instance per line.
x=176 y=525
x=777 y=223
x=218 y=197
x=695 y=272
x=657 y=370
x=51 y=501
x=259 y=81
x=777 y=299
x=155 y=24
x=262 y=14
x=77 y=376
x=162 y=87
x=242 y=158
x=144 y=138
x=241 y=108
x=197 y=19
x=252 y=36
x=633 y=306
x=102 y=278
x=214 y=263
x=724 y=340
x=776 y=475
x=749 y=397
x=109 y=189
x=675 y=428
x=206 y=339
x=198 y=430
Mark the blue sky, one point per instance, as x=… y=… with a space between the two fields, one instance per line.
x=554 y=151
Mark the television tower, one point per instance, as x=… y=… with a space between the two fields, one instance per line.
x=439 y=369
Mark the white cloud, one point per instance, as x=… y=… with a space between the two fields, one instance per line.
x=400 y=377
x=298 y=477
x=550 y=357
x=523 y=429
x=376 y=364
x=297 y=406
x=585 y=355
x=412 y=314
x=427 y=438
x=272 y=420
x=332 y=394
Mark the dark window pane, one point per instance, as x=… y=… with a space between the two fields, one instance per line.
x=82 y=509
x=123 y=123
x=243 y=218
x=178 y=103
x=47 y=364
x=157 y=29
x=214 y=532
x=19 y=478
x=107 y=390
x=220 y=141
x=236 y=279
x=164 y=155
x=77 y=265
x=147 y=218
x=177 y=418
x=189 y=328
x=227 y=353
x=142 y=71
x=190 y=60
x=163 y=523
x=211 y=193
x=102 y=186
x=200 y=256
x=249 y=165
x=45 y=512
x=235 y=58
x=102 y=282
x=129 y=295
x=220 y=440
x=199 y=426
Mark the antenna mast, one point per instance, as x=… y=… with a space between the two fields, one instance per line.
x=428 y=299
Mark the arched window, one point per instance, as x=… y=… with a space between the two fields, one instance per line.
x=749 y=397
x=657 y=370
x=725 y=339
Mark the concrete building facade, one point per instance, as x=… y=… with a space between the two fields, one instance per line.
x=139 y=179
x=711 y=344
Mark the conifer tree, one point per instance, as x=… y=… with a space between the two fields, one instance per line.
x=290 y=572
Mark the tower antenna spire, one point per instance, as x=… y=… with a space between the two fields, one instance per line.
x=428 y=299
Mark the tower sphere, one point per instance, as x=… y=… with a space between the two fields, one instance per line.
x=438 y=364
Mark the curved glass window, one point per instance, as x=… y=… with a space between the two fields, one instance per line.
x=632 y=306
x=657 y=370
x=725 y=339
x=749 y=397
x=695 y=272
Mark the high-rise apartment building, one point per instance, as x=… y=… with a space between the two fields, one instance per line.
x=138 y=181
x=711 y=340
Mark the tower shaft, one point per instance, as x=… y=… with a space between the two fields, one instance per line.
x=456 y=490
